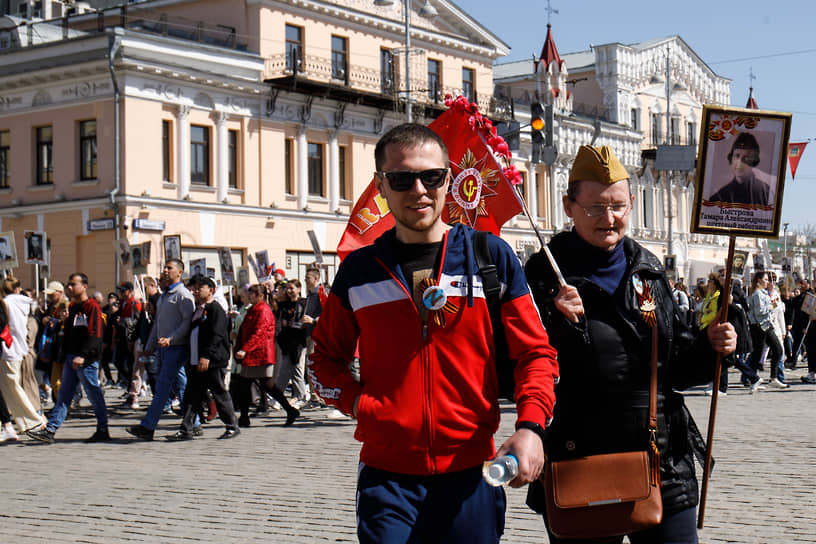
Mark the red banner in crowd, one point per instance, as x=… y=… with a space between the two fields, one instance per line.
x=481 y=192
x=794 y=154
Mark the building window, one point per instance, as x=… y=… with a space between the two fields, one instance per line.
x=634 y=119
x=691 y=134
x=45 y=156
x=5 y=148
x=167 y=150
x=232 y=157
x=294 y=48
x=469 y=84
x=341 y=166
x=434 y=80
x=648 y=218
x=315 y=167
x=87 y=150
x=199 y=155
x=339 y=58
x=675 y=131
x=386 y=71
x=288 y=171
x=657 y=129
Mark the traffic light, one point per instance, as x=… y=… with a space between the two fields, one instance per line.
x=537 y=123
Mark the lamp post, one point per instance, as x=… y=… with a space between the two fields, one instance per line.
x=426 y=11
x=669 y=247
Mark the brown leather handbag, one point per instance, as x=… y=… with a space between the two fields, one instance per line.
x=607 y=495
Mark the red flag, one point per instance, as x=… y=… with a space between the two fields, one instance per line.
x=481 y=192
x=480 y=195
x=369 y=219
x=794 y=154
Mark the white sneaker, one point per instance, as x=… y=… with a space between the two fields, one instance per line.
x=8 y=433
x=334 y=413
x=275 y=405
x=779 y=385
x=757 y=386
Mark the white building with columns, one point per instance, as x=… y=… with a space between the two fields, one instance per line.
x=616 y=94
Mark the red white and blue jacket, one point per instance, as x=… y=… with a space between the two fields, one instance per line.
x=428 y=393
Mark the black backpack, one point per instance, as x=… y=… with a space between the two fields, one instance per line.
x=505 y=367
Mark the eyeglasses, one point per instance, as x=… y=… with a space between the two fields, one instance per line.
x=597 y=210
x=402 y=181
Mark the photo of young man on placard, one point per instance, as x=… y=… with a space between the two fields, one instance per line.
x=35 y=247
x=741 y=172
x=172 y=246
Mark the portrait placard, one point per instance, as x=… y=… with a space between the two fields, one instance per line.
x=35 y=252
x=172 y=246
x=243 y=276
x=198 y=267
x=740 y=259
x=809 y=304
x=225 y=261
x=741 y=172
x=8 y=251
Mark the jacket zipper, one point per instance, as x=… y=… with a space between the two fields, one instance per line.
x=424 y=352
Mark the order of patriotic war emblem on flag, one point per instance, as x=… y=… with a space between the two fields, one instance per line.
x=471 y=185
x=481 y=193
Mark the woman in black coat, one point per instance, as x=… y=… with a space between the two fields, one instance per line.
x=601 y=324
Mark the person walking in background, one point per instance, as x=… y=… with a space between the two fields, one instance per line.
x=207 y=367
x=82 y=347
x=14 y=310
x=255 y=351
x=109 y=310
x=292 y=342
x=169 y=340
x=762 y=331
x=125 y=335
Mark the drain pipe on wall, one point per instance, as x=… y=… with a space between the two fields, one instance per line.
x=114 y=48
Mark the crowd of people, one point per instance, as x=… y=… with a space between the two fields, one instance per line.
x=180 y=344
x=415 y=340
x=770 y=322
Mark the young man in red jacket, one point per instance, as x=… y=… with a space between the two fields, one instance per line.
x=427 y=401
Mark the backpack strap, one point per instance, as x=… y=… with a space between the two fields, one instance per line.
x=487 y=270
x=492 y=290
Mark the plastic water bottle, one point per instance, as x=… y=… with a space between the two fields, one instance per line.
x=500 y=470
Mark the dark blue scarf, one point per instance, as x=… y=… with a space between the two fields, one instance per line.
x=604 y=268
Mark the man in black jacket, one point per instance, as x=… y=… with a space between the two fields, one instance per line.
x=209 y=356
x=601 y=324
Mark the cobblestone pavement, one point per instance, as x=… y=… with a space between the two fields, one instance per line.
x=296 y=485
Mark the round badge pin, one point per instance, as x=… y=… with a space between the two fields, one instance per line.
x=434 y=297
x=638 y=283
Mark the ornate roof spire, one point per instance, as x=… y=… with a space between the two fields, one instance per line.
x=549 y=52
x=751 y=104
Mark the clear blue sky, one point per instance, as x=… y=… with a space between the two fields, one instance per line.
x=774 y=39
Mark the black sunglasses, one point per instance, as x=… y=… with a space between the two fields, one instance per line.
x=402 y=181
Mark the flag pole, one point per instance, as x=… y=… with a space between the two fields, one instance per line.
x=561 y=281
x=715 y=386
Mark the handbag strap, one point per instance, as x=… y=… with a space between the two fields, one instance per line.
x=653 y=385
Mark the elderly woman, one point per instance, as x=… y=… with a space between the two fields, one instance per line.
x=601 y=324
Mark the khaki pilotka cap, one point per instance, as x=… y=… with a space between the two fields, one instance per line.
x=597 y=164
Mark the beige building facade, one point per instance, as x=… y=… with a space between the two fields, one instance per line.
x=240 y=124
